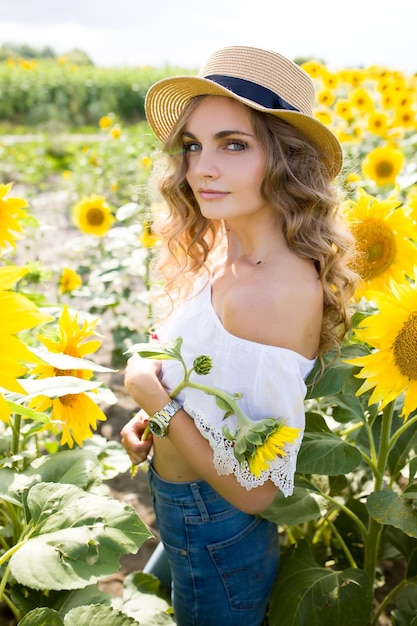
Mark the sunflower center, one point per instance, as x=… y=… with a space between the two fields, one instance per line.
x=405 y=348
x=376 y=247
x=384 y=169
x=95 y=216
x=68 y=399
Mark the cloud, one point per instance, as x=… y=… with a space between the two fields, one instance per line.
x=105 y=13
x=184 y=32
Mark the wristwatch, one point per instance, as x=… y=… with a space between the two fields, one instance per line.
x=159 y=422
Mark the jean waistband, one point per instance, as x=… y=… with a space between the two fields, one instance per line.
x=182 y=493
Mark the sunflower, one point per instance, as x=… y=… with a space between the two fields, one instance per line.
x=391 y=369
x=74 y=340
x=343 y=109
x=11 y=211
x=314 y=68
x=17 y=313
x=383 y=164
x=378 y=123
x=272 y=447
x=69 y=280
x=77 y=412
x=323 y=115
x=353 y=77
x=361 y=99
x=330 y=79
x=115 y=132
x=326 y=97
x=93 y=216
x=105 y=122
x=383 y=232
x=260 y=442
x=146 y=162
x=405 y=117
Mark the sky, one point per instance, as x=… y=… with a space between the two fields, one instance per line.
x=117 y=33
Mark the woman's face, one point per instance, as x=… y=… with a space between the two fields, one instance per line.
x=225 y=161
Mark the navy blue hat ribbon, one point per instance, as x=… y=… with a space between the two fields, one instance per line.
x=252 y=91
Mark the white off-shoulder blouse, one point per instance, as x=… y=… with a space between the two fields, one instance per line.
x=270 y=379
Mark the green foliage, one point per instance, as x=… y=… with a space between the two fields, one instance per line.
x=146 y=600
x=74 y=537
x=23 y=51
x=351 y=509
x=60 y=535
x=33 y=93
x=306 y=593
x=93 y=615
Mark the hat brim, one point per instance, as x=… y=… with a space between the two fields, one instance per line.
x=167 y=98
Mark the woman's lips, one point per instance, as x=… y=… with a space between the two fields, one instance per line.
x=212 y=194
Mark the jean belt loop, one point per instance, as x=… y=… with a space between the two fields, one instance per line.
x=200 y=502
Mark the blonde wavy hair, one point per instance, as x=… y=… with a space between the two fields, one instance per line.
x=296 y=183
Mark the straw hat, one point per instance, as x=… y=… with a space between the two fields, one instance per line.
x=261 y=79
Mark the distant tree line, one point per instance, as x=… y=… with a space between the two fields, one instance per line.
x=24 y=51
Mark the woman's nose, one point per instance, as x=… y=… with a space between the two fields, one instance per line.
x=207 y=165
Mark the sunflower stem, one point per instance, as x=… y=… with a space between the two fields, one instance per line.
x=5 y=598
x=16 y=426
x=371 y=440
x=374 y=527
x=401 y=430
x=343 y=544
x=361 y=526
x=211 y=391
x=388 y=598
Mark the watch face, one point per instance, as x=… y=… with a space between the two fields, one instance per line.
x=156 y=428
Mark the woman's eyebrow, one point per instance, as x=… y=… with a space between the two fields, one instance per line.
x=219 y=135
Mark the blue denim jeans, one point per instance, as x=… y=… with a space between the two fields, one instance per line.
x=223 y=562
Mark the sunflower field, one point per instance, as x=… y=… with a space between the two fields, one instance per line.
x=76 y=242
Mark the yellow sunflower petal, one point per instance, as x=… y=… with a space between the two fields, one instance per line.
x=391 y=369
x=11 y=211
x=79 y=414
x=10 y=274
x=4 y=410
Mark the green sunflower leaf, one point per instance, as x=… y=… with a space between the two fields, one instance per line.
x=306 y=593
x=76 y=538
x=42 y=617
x=57 y=386
x=327 y=454
x=66 y=362
x=386 y=507
x=97 y=615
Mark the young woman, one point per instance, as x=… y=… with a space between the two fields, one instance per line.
x=255 y=262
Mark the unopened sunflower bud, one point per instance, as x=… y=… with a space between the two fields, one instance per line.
x=202 y=365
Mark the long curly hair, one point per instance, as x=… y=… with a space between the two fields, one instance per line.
x=296 y=182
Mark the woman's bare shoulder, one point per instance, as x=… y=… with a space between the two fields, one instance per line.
x=281 y=307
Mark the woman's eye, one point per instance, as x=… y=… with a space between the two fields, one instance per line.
x=235 y=146
x=192 y=147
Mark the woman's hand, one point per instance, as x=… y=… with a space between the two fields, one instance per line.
x=131 y=434
x=143 y=383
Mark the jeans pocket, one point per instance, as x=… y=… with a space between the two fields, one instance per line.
x=247 y=564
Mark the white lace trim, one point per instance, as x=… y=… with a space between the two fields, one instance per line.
x=280 y=471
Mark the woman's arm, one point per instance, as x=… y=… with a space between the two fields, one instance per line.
x=144 y=386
